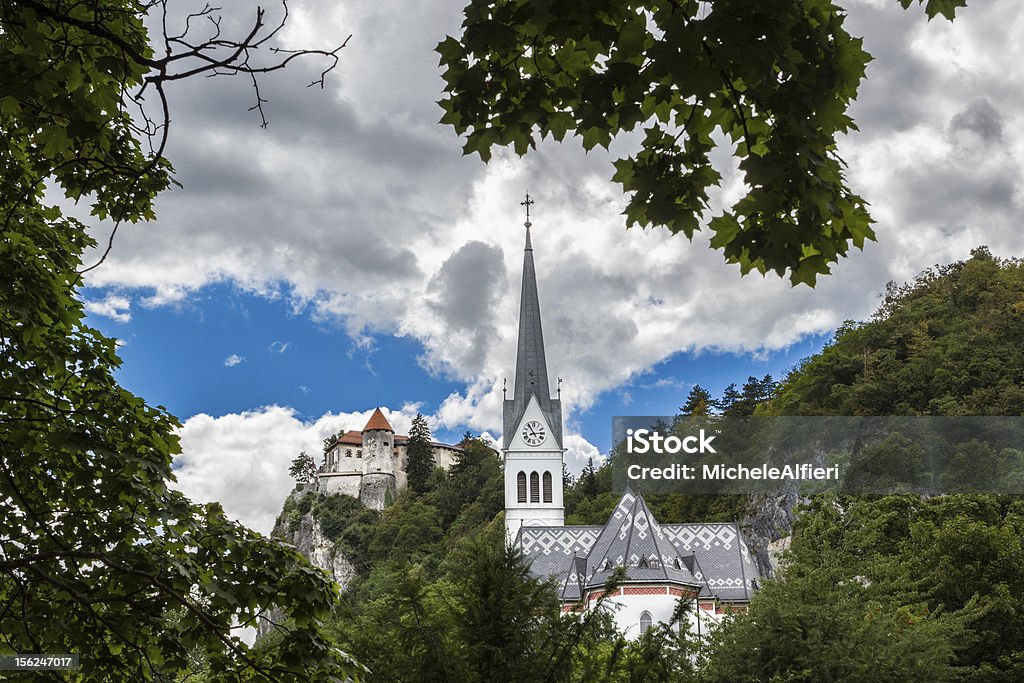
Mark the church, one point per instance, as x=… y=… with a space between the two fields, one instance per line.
x=707 y=566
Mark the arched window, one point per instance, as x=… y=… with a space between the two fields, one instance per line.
x=645 y=622
x=547 y=487
x=521 y=481
x=534 y=488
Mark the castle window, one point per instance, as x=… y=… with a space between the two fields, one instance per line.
x=547 y=487
x=359 y=452
x=534 y=488
x=521 y=481
x=348 y=452
x=645 y=622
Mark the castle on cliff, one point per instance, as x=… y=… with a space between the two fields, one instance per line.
x=371 y=464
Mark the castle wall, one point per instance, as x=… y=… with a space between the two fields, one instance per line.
x=347 y=483
x=347 y=465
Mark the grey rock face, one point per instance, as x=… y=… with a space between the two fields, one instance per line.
x=308 y=538
x=377 y=490
x=767 y=527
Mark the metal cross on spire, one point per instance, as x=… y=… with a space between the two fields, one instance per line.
x=528 y=203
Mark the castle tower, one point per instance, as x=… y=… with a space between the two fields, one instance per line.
x=378 y=487
x=532 y=420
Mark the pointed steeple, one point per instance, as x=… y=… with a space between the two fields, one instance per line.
x=531 y=377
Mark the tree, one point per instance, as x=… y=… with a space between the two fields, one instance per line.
x=947 y=343
x=484 y=618
x=588 y=480
x=303 y=469
x=730 y=403
x=891 y=588
x=419 y=454
x=97 y=552
x=774 y=78
x=698 y=402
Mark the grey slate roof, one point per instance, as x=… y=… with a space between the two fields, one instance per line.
x=712 y=557
x=531 y=367
x=632 y=538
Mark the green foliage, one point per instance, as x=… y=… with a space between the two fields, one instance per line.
x=474 y=487
x=901 y=587
x=98 y=555
x=698 y=402
x=478 y=617
x=348 y=524
x=303 y=468
x=419 y=455
x=946 y=344
x=773 y=79
x=737 y=403
x=895 y=588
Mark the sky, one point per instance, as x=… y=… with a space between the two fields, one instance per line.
x=349 y=255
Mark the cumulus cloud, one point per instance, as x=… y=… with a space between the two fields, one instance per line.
x=367 y=211
x=233 y=360
x=578 y=451
x=117 y=307
x=241 y=459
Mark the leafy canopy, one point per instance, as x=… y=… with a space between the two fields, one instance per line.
x=774 y=79
x=98 y=555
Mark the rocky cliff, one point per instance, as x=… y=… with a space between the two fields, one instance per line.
x=298 y=526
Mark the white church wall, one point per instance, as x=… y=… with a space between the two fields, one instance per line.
x=631 y=602
x=627 y=609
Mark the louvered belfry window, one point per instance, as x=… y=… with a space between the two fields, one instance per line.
x=547 y=487
x=534 y=487
x=521 y=481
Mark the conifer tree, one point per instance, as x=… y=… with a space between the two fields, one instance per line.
x=588 y=480
x=698 y=402
x=419 y=455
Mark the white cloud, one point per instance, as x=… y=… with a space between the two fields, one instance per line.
x=241 y=459
x=233 y=360
x=359 y=203
x=117 y=307
x=279 y=346
x=578 y=451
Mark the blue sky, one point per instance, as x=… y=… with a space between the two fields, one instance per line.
x=179 y=357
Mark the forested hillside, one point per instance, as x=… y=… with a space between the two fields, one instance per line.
x=949 y=343
x=899 y=587
x=873 y=589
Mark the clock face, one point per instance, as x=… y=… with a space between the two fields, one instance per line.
x=533 y=433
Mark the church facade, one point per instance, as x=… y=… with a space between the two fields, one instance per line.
x=707 y=566
x=371 y=464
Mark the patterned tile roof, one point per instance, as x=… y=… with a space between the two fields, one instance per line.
x=712 y=556
x=633 y=539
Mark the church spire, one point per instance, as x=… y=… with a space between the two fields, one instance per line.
x=531 y=379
